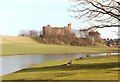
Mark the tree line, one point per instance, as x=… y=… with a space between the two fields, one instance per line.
x=83 y=38
x=29 y=33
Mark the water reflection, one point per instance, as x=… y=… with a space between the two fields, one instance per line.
x=9 y=64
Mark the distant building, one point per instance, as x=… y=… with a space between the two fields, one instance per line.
x=91 y=34
x=94 y=34
x=49 y=31
x=112 y=42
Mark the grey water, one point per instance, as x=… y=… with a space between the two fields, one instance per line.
x=9 y=64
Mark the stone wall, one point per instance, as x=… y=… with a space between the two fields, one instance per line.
x=49 y=31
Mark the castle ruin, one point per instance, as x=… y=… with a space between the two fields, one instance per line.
x=49 y=31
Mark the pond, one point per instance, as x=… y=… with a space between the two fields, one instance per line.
x=9 y=64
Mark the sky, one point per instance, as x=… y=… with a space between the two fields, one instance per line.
x=16 y=15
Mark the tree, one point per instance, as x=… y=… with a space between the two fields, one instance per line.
x=28 y=33
x=23 y=33
x=84 y=33
x=33 y=33
x=104 y=12
x=94 y=35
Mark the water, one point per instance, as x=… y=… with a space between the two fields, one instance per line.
x=9 y=64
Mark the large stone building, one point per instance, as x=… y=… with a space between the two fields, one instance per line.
x=49 y=31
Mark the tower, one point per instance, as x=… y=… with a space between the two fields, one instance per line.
x=69 y=24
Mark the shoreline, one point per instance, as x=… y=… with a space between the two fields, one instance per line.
x=102 y=63
x=77 y=57
x=60 y=53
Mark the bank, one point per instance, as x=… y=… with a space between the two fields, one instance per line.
x=93 y=68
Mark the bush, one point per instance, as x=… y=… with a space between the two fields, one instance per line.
x=61 y=40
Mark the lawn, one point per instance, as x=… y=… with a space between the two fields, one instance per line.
x=25 y=45
x=93 y=68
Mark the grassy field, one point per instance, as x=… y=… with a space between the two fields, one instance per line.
x=93 y=68
x=12 y=45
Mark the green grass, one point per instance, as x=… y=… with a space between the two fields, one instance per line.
x=25 y=45
x=93 y=68
x=36 y=48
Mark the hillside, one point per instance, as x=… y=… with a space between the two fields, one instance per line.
x=15 y=45
x=15 y=39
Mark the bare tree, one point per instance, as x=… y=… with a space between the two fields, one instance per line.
x=23 y=33
x=33 y=33
x=84 y=33
x=28 y=33
x=105 y=13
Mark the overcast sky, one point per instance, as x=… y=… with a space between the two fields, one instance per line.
x=16 y=15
